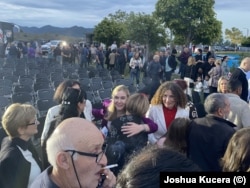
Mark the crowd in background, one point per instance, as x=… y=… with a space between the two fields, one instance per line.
x=188 y=112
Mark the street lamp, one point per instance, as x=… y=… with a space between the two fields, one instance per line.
x=247 y=31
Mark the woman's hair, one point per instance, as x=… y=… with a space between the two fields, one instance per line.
x=137 y=104
x=62 y=87
x=17 y=116
x=223 y=58
x=176 y=136
x=156 y=57
x=179 y=96
x=143 y=169
x=191 y=61
x=182 y=83
x=217 y=62
x=69 y=106
x=112 y=113
x=219 y=82
x=136 y=55
x=237 y=154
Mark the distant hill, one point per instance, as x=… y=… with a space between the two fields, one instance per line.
x=74 y=31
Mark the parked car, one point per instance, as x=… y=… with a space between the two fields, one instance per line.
x=229 y=48
x=52 y=44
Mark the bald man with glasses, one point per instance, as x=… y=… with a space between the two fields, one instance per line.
x=76 y=152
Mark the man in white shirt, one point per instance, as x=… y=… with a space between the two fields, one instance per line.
x=239 y=109
x=113 y=46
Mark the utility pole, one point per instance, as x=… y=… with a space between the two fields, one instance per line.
x=247 y=31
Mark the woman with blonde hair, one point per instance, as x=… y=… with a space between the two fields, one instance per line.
x=215 y=73
x=190 y=74
x=168 y=103
x=19 y=161
x=237 y=155
x=135 y=65
x=222 y=84
x=116 y=108
x=121 y=146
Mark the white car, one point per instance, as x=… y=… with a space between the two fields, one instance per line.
x=52 y=44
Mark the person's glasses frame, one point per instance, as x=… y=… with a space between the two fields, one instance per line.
x=34 y=123
x=98 y=156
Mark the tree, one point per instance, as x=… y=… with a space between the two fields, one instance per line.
x=191 y=20
x=246 y=42
x=146 y=30
x=112 y=28
x=108 y=31
x=140 y=28
x=234 y=35
x=119 y=16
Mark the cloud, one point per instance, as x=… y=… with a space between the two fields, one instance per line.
x=88 y=13
x=232 y=5
x=68 y=13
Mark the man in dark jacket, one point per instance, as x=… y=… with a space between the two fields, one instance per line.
x=183 y=58
x=208 y=136
x=208 y=65
x=240 y=74
x=170 y=65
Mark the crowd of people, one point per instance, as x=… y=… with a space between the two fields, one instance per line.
x=198 y=122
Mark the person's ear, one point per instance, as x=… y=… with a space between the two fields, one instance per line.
x=21 y=130
x=220 y=112
x=239 y=90
x=63 y=160
x=79 y=105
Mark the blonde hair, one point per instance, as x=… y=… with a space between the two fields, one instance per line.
x=219 y=82
x=17 y=116
x=156 y=57
x=217 y=62
x=137 y=104
x=191 y=61
x=112 y=112
x=237 y=154
x=179 y=95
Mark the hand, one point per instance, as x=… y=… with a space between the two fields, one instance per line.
x=131 y=129
x=110 y=179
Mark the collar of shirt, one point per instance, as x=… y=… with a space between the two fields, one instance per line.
x=21 y=143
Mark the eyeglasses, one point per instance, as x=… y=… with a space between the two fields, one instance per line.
x=35 y=123
x=98 y=156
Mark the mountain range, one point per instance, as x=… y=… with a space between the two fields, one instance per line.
x=74 y=31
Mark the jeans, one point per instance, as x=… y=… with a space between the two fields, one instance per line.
x=135 y=75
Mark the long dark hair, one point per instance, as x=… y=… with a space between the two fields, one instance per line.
x=62 y=87
x=70 y=98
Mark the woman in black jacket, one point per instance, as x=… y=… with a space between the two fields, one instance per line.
x=19 y=161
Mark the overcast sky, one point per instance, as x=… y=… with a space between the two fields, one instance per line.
x=88 y=13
